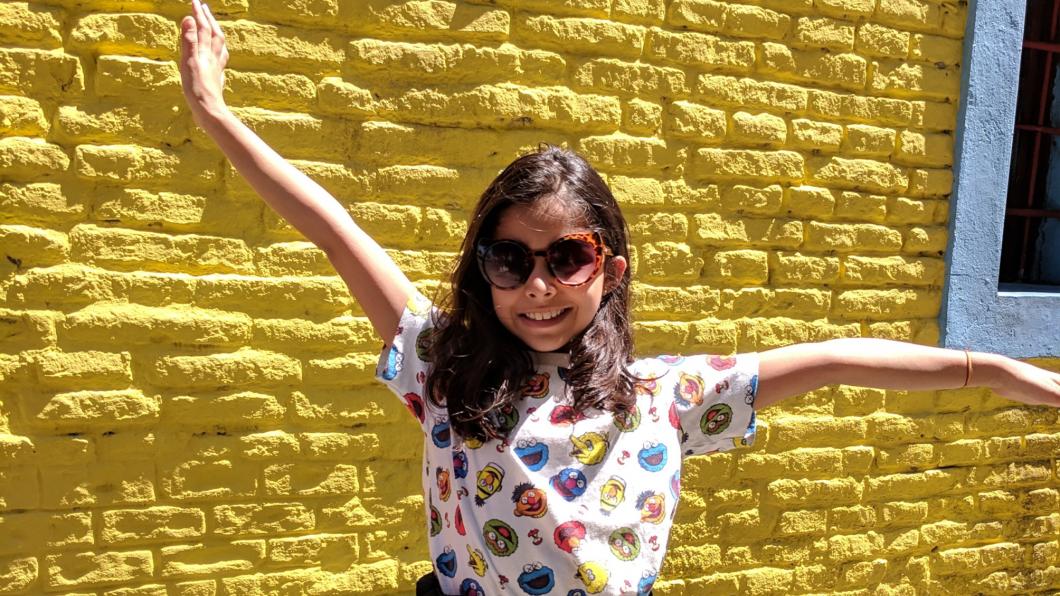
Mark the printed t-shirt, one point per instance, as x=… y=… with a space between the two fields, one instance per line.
x=569 y=501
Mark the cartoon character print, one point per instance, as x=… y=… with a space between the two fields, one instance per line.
x=536 y=386
x=647 y=387
x=444 y=486
x=563 y=373
x=394 y=362
x=470 y=587
x=446 y=563
x=473 y=443
x=459 y=521
x=500 y=538
x=460 y=464
x=488 y=482
x=751 y=391
x=647 y=580
x=675 y=486
x=722 y=362
x=612 y=493
x=529 y=501
x=506 y=418
x=652 y=457
x=423 y=343
x=476 y=561
x=569 y=536
x=569 y=483
x=436 y=521
x=536 y=579
x=625 y=544
x=652 y=507
x=675 y=418
x=441 y=434
x=672 y=360
x=689 y=390
x=629 y=420
x=414 y=403
x=716 y=419
x=565 y=415
x=594 y=576
x=534 y=455
x=589 y=448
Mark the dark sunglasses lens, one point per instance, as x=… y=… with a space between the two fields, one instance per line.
x=505 y=265
x=573 y=261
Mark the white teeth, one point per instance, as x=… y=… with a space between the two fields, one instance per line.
x=544 y=316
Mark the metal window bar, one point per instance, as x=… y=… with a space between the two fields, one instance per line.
x=1026 y=197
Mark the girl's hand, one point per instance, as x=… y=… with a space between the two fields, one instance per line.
x=203 y=57
x=1028 y=384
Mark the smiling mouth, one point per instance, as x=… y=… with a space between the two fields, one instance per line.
x=544 y=316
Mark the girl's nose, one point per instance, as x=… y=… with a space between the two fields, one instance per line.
x=540 y=284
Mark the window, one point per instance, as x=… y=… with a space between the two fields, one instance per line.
x=981 y=310
x=1030 y=250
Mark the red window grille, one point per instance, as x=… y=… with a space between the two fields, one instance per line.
x=1032 y=145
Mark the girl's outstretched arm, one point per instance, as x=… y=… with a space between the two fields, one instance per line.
x=373 y=278
x=884 y=364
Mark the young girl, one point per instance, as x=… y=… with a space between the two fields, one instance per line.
x=552 y=457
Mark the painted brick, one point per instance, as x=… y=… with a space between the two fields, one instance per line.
x=713 y=229
x=198 y=560
x=749 y=199
x=154 y=524
x=22 y=116
x=642 y=117
x=259 y=46
x=627 y=78
x=856 y=206
x=935 y=81
x=698 y=15
x=17 y=574
x=749 y=93
x=825 y=32
x=432 y=18
x=311 y=479
x=700 y=50
x=753 y=21
x=580 y=35
x=846 y=8
x=882 y=110
x=741 y=266
x=43 y=74
x=131 y=34
x=844 y=69
x=741 y=163
x=877 y=40
x=87 y=570
x=795 y=268
x=758 y=129
x=28 y=531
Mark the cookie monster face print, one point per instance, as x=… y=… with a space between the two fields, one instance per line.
x=534 y=455
x=575 y=502
x=470 y=587
x=652 y=457
x=537 y=579
x=446 y=563
x=440 y=433
x=569 y=483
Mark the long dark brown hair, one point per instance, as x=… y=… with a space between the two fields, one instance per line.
x=477 y=367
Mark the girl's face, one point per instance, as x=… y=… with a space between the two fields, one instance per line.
x=542 y=312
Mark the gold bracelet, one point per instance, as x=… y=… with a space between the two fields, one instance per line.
x=968 y=368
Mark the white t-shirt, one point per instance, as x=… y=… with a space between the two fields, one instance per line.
x=571 y=503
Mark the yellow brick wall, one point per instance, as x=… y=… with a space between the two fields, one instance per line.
x=186 y=404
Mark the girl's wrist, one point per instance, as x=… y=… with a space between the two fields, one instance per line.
x=989 y=370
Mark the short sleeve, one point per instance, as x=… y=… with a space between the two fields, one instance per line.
x=714 y=400
x=402 y=365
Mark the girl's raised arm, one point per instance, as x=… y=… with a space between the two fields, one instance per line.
x=884 y=364
x=373 y=278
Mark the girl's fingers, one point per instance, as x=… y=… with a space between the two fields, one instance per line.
x=202 y=25
x=218 y=39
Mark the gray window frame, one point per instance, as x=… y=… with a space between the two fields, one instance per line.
x=1018 y=321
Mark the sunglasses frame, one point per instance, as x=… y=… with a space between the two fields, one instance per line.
x=594 y=238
